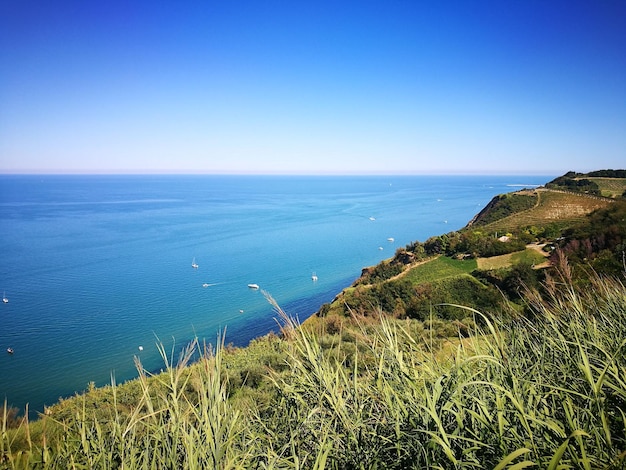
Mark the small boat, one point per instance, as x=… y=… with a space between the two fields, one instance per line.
x=194 y=264
x=4 y=298
x=372 y=218
x=314 y=277
x=253 y=286
x=205 y=285
x=10 y=350
x=390 y=239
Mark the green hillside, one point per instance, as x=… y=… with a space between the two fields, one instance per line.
x=550 y=207
x=606 y=183
x=505 y=248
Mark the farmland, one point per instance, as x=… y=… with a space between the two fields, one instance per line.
x=531 y=255
x=610 y=187
x=551 y=207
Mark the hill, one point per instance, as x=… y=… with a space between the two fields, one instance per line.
x=504 y=248
x=540 y=207
x=607 y=183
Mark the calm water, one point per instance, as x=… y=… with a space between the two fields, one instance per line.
x=96 y=266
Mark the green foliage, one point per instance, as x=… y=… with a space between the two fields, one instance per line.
x=381 y=272
x=600 y=241
x=528 y=256
x=546 y=390
x=439 y=298
x=547 y=231
x=440 y=268
x=607 y=174
x=519 y=278
x=504 y=205
x=573 y=182
x=423 y=291
x=472 y=242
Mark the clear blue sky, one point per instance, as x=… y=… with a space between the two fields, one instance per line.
x=317 y=87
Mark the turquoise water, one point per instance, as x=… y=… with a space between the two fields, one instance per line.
x=96 y=266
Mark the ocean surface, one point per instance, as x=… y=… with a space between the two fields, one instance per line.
x=98 y=269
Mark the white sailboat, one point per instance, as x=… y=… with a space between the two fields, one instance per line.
x=194 y=264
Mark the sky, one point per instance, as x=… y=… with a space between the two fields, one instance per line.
x=312 y=87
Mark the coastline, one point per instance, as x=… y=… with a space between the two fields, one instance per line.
x=108 y=263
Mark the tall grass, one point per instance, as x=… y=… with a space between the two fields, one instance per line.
x=180 y=420
x=547 y=391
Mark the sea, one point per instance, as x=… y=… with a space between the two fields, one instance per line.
x=97 y=269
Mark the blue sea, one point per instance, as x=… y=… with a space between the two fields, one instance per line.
x=98 y=269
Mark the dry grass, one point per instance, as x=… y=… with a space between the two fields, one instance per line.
x=610 y=187
x=552 y=206
x=532 y=254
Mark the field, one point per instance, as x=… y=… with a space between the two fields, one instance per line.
x=440 y=268
x=610 y=187
x=530 y=255
x=552 y=206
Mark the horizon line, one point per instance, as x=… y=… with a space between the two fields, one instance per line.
x=277 y=173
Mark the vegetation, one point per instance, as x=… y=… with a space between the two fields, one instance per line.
x=607 y=183
x=463 y=351
x=504 y=205
x=607 y=174
x=440 y=268
x=498 y=253
x=545 y=390
x=554 y=212
x=581 y=185
x=530 y=256
x=600 y=241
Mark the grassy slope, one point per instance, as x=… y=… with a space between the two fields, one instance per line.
x=530 y=255
x=439 y=268
x=546 y=393
x=559 y=207
x=610 y=187
x=607 y=183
